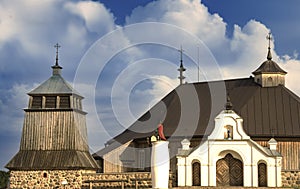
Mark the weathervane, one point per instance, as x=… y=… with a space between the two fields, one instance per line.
x=57 y=46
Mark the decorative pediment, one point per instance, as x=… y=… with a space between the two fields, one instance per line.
x=228 y=126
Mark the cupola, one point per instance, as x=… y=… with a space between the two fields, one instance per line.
x=269 y=74
x=55 y=93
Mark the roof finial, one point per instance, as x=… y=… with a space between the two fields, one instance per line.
x=56 y=68
x=57 y=46
x=269 y=37
x=181 y=69
x=228 y=105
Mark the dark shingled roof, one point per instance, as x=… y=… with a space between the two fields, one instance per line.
x=51 y=159
x=267 y=111
x=269 y=66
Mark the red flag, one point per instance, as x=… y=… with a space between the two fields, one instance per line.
x=161 y=132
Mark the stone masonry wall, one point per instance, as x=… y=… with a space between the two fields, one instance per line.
x=290 y=179
x=114 y=180
x=46 y=179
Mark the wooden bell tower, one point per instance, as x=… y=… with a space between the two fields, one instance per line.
x=53 y=147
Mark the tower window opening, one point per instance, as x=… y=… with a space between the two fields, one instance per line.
x=50 y=102
x=36 y=102
x=64 y=102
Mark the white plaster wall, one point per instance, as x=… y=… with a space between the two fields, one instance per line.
x=240 y=146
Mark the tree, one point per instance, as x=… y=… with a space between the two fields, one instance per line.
x=4 y=176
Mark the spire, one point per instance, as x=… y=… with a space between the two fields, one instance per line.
x=269 y=37
x=56 y=68
x=181 y=69
x=228 y=105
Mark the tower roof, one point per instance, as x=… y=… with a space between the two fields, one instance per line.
x=269 y=66
x=56 y=84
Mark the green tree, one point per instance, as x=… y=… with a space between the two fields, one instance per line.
x=4 y=176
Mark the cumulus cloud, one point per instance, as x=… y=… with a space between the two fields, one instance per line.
x=95 y=15
x=190 y=15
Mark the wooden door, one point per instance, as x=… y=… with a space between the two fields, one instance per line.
x=222 y=172
x=236 y=172
x=229 y=171
x=196 y=169
x=262 y=175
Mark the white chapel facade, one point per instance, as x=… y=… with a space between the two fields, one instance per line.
x=229 y=157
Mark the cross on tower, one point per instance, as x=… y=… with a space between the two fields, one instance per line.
x=181 y=69
x=181 y=51
x=57 y=46
x=269 y=37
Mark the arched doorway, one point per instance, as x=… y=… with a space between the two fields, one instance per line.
x=229 y=171
x=262 y=175
x=196 y=170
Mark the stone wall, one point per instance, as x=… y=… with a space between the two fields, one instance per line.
x=47 y=179
x=114 y=180
x=290 y=179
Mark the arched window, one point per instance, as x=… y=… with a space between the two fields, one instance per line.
x=262 y=175
x=270 y=81
x=228 y=132
x=196 y=170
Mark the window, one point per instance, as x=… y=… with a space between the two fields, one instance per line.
x=50 y=102
x=228 y=133
x=141 y=162
x=36 y=102
x=64 y=102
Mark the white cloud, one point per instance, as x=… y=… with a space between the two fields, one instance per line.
x=248 y=49
x=11 y=107
x=96 y=16
x=190 y=15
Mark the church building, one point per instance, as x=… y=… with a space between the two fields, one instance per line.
x=253 y=141
x=236 y=132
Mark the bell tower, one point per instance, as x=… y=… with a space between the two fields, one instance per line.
x=53 y=150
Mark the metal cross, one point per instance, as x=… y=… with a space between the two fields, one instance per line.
x=181 y=51
x=57 y=46
x=269 y=37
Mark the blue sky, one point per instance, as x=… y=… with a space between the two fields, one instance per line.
x=122 y=56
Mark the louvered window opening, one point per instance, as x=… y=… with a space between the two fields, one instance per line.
x=37 y=102
x=50 y=102
x=64 y=102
